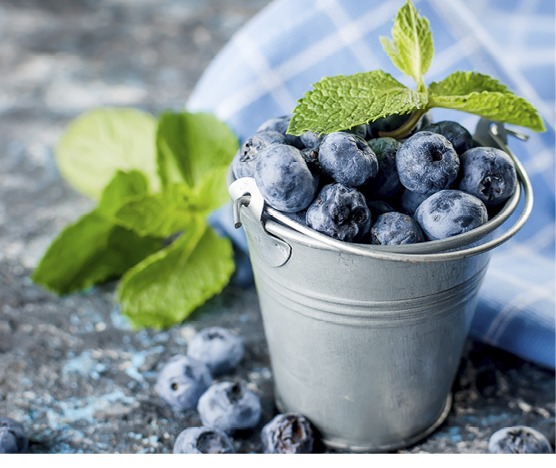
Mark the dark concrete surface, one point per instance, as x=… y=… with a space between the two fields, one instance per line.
x=71 y=370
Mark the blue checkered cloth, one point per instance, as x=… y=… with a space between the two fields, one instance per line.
x=274 y=59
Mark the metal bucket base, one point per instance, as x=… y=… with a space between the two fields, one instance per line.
x=389 y=448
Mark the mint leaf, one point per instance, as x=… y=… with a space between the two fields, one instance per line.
x=462 y=83
x=211 y=192
x=341 y=102
x=94 y=249
x=100 y=142
x=190 y=145
x=166 y=287
x=502 y=107
x=159 y=215
x=412 y=49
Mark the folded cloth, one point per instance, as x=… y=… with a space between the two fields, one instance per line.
x=273 y=60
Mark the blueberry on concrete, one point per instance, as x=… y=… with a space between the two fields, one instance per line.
x=217 y=348
x=409 y=201
x=395 y=228
x=288 y=433
x=182 y=381
x=229 y=406
x=518 y=439
x=341 y=213
x=203 y=440
x=427 y=163
x=12 y=436
x=460 y=138
x=283 y=178
x=450 y=212
x=348 y=159
x=312 y=139
x=243 y=164
x=489 y=174
x=280 y=125
x=386 y=184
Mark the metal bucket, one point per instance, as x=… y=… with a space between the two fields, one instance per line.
x=365 y=341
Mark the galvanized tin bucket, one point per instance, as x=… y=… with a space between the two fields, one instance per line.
x=365 y=341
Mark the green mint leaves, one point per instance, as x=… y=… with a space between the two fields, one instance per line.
x=156 y=180
x=341 y=102
x=412 y=49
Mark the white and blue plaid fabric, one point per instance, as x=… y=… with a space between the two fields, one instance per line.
x=274 y=59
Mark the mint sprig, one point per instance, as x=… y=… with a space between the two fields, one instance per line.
x=183 y=160
x=341 y=102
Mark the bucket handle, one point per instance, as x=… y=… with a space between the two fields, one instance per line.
x=245 y=192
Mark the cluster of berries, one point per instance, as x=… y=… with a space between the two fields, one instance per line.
x=225 y=408
x=356 y=186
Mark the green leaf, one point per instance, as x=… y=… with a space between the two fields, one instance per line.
x=94 y=249
x=159 y=215
x=211 y=192
x=412 y=49
x=122 y=187
x=100 y=142
x=501 y=107
x=462 y=83
x=341 y=102
x=91 y=251
x=168 y=286
x=190 y=145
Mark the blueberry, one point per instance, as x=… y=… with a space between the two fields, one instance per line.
x=230 y=407
x=283 y=178
x=427 y=163
x=280 y=125
x=203 y=440
x=359 y=130
x=518 y=439
x=12 y=436
x=450 y=212
x=182 y=381
x=348 y=159
x=243 y=164
x=460 y=138
x=409 y=201
x=386 y=184
x=217 y=348
x=311 y=157
x=312 y=139
x=386 y=124
x=288 y=433
x=377 y=207
x=489 y=174
x=340 y=212
x=395 y=228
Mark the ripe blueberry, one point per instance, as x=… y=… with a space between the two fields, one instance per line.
x=396 y=229
x=460 y=138
x=348 y=159
x=230 y=407
x=450 y=212
x=217 y=348
x=386 y=184
x=12 y=436
x=340 y=212
x=280 y=125
x=288 y=433
x=243 y=164
x=427 y=163
x=182 y=381
x=283 y=178
x=489 y=174
x=409 y=201
x=518 y=439
x=203 y=440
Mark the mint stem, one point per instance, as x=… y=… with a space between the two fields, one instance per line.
x=406 y=128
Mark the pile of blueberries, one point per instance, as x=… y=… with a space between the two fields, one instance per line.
x=225 y=408
x=356 y=186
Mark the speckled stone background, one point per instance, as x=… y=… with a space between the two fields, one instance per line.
x=71 y=370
